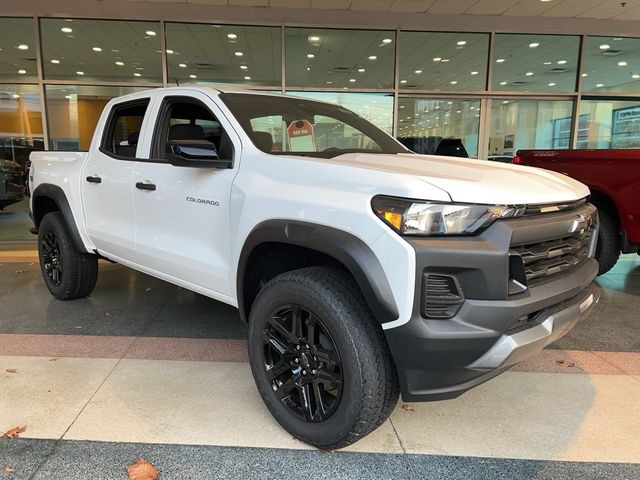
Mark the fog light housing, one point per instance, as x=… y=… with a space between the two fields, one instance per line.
x=442 y=296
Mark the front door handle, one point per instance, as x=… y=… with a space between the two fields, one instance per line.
x=94 y=179
x=145 y=186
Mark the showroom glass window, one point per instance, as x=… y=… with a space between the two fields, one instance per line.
x=337 y=58
x=521 y=124
x=423 y=123
x=375 y=107
x=611 y=65
x=535 y=63
x=18 y=50
x=231 y=54
x=613 y=123
x=74 y=111
x=20 y=122
x=101 y=50
x=443 y=61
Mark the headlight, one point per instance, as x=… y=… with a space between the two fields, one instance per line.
x=411 y=217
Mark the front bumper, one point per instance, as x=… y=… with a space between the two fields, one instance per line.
x=442 y=358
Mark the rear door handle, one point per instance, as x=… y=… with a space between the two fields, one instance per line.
x=94 y=179
x=145 y=186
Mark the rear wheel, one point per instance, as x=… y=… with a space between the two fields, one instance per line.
x=608 y=247
x=67 y=272
x=321 y=364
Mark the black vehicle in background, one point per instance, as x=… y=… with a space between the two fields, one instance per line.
x=451 y=147
x=12 y=187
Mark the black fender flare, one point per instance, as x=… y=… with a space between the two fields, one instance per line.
x=57 y=195
x=342 y=246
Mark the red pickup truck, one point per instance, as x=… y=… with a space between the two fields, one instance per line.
x=613 y=176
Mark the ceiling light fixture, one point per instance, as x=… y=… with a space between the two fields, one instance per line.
x=55 y=61
x=309 y=55
x=599 y=85
x=169 y=51
x=79 y=73
x=552 y=84
x=503 y=83
x=622 y=63
x=314 y=38
x=151 y=33
x=247 y=78
x=373 y=57
x=445 y=60
x=119 y=63
x=453 y=82
x=604 y=46
x=437 y=59
x=528 y=74
x=500 y=60
x=96 y=49
x=561 y=62
x=193 y=76
x=403 y=81
x=635 y=76
x=361 y=70
x=418 y=72
x=137 y=74
x=23 y=46
x=534 y=45
x=474 y=73
x=22 y=72
x=585 y=74
x=548 y=63
x=182 y=65
x=68 y=97
x=243 y=67
x=232 y=36
x=461 y=43
x=66 y=29
x=352 y=80
x=387 y=40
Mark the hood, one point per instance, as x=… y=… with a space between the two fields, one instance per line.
x=475 y=181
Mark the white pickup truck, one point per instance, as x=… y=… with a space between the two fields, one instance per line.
x=363 y=269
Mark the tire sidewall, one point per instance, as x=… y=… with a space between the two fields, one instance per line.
x=53 y=222
x=342 y=420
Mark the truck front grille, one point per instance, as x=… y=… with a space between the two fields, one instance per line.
x=542 y=260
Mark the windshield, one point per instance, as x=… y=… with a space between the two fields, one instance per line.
x=288 y=125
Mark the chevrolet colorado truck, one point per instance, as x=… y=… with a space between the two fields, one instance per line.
x=362 y=269
x=613 y=177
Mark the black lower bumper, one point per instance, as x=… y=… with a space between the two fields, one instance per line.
x=442 y=358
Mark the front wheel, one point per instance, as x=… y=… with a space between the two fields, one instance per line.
x=67 y=272
x=320 y=362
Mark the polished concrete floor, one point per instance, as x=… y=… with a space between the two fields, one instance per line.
x=144 y=368
x=15 y=223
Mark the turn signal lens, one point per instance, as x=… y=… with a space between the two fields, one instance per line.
x=394 y=219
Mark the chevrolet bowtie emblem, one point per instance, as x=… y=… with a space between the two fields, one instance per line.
x=581 y=223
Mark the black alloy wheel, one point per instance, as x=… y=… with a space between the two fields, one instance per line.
x=302 y=363
x=51 y=258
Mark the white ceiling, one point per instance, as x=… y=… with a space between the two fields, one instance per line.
x=598 y=9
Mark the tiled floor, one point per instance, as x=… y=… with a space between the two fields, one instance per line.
x=144 y=368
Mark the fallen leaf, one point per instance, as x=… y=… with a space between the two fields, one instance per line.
x=11 y=370
x=53 y=359
x=14 y=432
x=565 y=363
x=9 y=470
x=21 y=271
x=407 y=408
x=142 y=470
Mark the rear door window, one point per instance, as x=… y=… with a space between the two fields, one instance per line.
x=123 y=127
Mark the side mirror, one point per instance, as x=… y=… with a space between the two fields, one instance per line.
x=196 y=153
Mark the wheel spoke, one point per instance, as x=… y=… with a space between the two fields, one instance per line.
x=326 y=356
x=305 y=402
x=296 y=322
x=276 y=343
x=274 y=371
x=282 y=391
x=331 y=379
x=317 y=395
x=276 y=323
x=312 y=329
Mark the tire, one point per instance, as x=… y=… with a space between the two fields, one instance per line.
x=608 y=247
x=354 y=374
x=67 y=272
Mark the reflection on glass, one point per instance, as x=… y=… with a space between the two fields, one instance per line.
x=74 y=111
x=20 y=122
x=103 y=50
x=375 y=107
x=611 y=64
x=222 y=54
x=609 y=124
x=443 y=61
x=424 y=123
x=523 y=124
x=535 y=63
x=17 y=50
x=332 y=58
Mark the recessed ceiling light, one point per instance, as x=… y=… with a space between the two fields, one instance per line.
x=137 y=74
x=604 y=46
x=458 y=111
x=22 y=72
x=96 y=49
x=437 y=59
x=503 y=83
x=585 y=74
x=352 y=80
x=599 y=85
x=193 y=76
x=561 y=62
x=182 y=65
x=528 y=74
x=232 y=36
x=169 y=51
x=314 y=38
x=119 y=63
x=461 y=43
x=243 y=67
x=453 y=82
x=504 y=102
x=403 y=81
x=55 y=61
x=247 y=78
x=68 y=97
x=418 y=72
x=151 y=33
x=23 y=46
x=500 y=60
x=387 y=40
x=474 y=73
x=548 y=63
x=308 y=69
x=328 y=83
x=622 y=63
x=361 y=70
x=373 y=57
x=66 y=29
x=445 y=60
x=309 y=55
x=79 y=73
x=635 y=76
x=552 y=84
x=534 y=45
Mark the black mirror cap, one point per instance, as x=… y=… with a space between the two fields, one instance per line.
x=196 y=154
